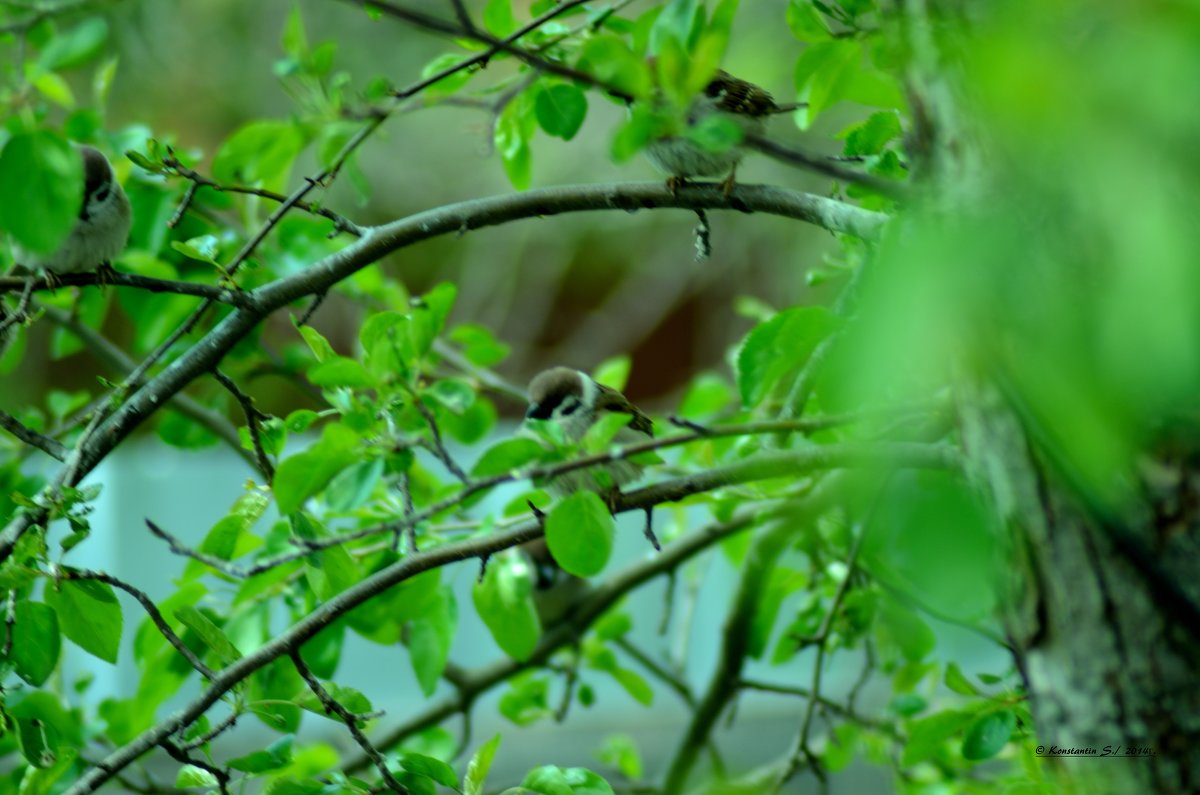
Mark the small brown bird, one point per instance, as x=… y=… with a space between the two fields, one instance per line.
x=98 y=236
x=575 y=401
x=740 y=101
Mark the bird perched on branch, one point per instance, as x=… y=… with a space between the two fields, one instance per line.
x=739 y=101
x=101 y=230
x=99 y=233
x=576 y=402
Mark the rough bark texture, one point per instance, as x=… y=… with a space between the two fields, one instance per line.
x=1103 y=611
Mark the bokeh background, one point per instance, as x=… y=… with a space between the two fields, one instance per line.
x=573 y=289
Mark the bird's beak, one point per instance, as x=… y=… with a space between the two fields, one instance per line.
x=536 y=411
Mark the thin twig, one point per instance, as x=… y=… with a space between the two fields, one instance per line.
x=221 y=295
x=51 y=447
x=156 y=617
x=253 y=423
x=334 y=707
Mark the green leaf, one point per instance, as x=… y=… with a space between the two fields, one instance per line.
x=907 y=630
x=715 y=133
x=548 y=780
x=707 y=395
x=348 y=697
x=620 y=751
x=294 y=40
x=806 y=22
x=320 y=347
x=53 y=87
x=956 y=681
x=451 y=83
x=76 y=46
x=455 y=395
x=36 y=642
x=277 y=755
x=988 y=735
x=585 y=782
x=635 y=685
x=478 y=767
x=305 y=474
x=498 y=17
x=41 y=189
x=509 y=455
x=230 y=536
x=927 y=735
x=430 y=767
x=512 y=144
x=323 y=652
x=634 y=134
x=600 y=436
x=353 y=486
x=192 y=776
x=430 y=637
x=88 y=614
x=340 y=371
x=676 y=22
x=504 y=601
x=525 y=700
x=212 y=635
x=870 y=136
x=780 y=345
x=479 y=345
x=579 y=532
x=261 y=151
x=613 y=372
x=561 y=109
x=610 y=61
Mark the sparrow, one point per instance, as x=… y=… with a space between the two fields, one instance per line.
x=740 y=101
x=101 y=231
x=99 y=234
x=575 y=401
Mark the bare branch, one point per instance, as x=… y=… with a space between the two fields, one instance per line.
x=221 y=295
x=335 y=707
x=253 y=425
x=156 y=617
x=50 y=447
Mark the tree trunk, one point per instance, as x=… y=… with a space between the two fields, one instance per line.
x=1103 y=612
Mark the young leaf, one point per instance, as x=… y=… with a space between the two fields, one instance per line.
x=561 y=109
x=988 y=735
x=430 y=767
x=41 y=189
x=36 y=642
x=304 y=474
x=504 y=601
x=506 y=456
x=88 y=614
x=579 y=532
x=477 y=768
x=430 y=637
x=774 y=348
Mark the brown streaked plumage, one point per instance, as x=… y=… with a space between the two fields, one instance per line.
x=732 y=98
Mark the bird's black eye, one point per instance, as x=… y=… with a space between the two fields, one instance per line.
x=101 y=194
x=569 y=406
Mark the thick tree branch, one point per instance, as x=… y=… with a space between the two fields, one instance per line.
x=120 y=362
x=792 y=463
x=208 y=352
